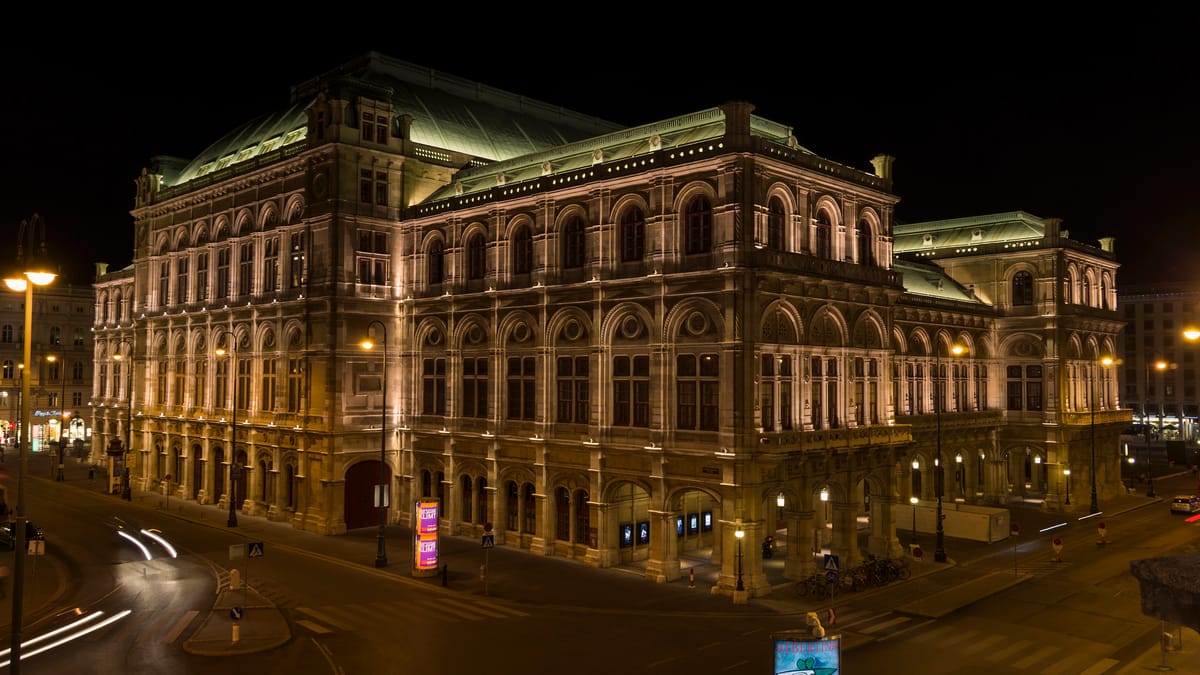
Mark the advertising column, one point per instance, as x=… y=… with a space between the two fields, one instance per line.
x=425 y=537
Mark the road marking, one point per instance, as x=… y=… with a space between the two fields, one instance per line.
x=508 y=611
x=1001 y=655
x=983 y=644
x=964 y=635
x=486 y=612
x=937 y=632
x=316 y=628
x=1034 y=657
x=886 y=624
x=324 y=617
x=1100 y=667
x=441 y=607
x=182 y=623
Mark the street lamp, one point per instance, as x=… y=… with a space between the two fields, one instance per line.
x=1067 y=473
x=126 y=488
x=1105 y=361
x=913 y=501
x=939 y=554
x=738 y=534
x=231 y=372
x=1159 y=365
x=31 y=270
x=381 y=497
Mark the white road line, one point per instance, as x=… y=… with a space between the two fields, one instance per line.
x=1034 y=657
x=439 y=606
x=983 y=644
x=1100 y=667
x=316 y=628
x=323 y=617
x=885 y=625
x=182 y=623
x=1002 y=654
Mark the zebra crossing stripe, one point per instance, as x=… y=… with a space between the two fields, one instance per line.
x=323 y=617
x=1034 y=657
x=983 y=644
x=479 y=609
x=885 y=625
x=444 y=606
x=1003 y=654
x=960 y=637
x=936 y=633
x=177 y=629
x=314 y=627
x=508 y=611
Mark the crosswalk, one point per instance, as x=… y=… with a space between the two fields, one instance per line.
x=352 y=616
x=859 y=627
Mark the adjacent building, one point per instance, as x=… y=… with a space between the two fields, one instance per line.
x=606 y=343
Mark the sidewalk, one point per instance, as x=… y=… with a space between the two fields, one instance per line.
x=521 y=577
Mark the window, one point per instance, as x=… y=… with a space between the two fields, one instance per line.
x=433 y=387
x=572 y=380
x=435 y=263
x=475 y=386
x=56 y=335
x=776 y=389
x=824 y=393
x=243 y=383
x=200 y=384
x=372 y=257
x=181 y=281
x=160 y=382
x=697 y=391
x=1024 y=387
x=164 y=283
x=298 y=273
x=697 y=231
x=364 y=185
x=572 y=244
x=202 y=276
x=823 y=235
x=476 y=257
x=221 y=387
x=7 y=370
x=981 y=386
x=521 y=387
x=77 y=372
x=775 y=221
x=270 y=280
x=866 y=254
x=1022 y=288
x=381 y=188
x=223 y=272
x=631 y=391
x=522 y=251
x=180 y=380
x=374 y=128
x=866 y=390
x=632 y=232
x=245 y=268
x=6 y=333
x=267 y=389
x=295 y=382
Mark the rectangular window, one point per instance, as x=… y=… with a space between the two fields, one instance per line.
x=433 y=387
x=475 y=386
x=180 y=381
x=785 y=393
x=367 y=128
x=160 y=383
x=767 y=400
x=521 y=382
x=223 y=272
x=364 y=186
x=243 y=382
x=267 y=390
x=572 y=379
x=164 y=283
x=181 y=281
x=200 y=384
x=295 y=380
x=270 y=280
x=381 y=188
x=631 y=391
x=372 y=257
x=202 y=276
x=697 y=391
x=298 y=272
x=981 y=387
x=245 y=268
x=222 y=384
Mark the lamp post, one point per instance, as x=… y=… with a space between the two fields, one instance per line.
x=31 y=270
x=381 y=498
x=738 y=534
x=1105 y=361
x=939 y=553
x=126 y=488
x=1159 y=365
x=1067 y=473
x=232 y=373
x=913 y=501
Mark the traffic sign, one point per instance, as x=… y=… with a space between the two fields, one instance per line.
x=831 y=562
x=831 y=576
x=255 y=549
x=236 y=613
x=489 y=540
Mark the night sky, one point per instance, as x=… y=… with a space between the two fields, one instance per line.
x=1102 y=131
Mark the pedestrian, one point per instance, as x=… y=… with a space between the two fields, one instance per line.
x=91 y=472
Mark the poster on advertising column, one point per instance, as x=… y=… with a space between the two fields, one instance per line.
x=807 y=655
x=425 y=537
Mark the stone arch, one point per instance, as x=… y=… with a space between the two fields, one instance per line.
x=243 y=223
x=568 y=325
x=293 y=210
x=781 y=323
x=200 y=233
x=472 y=332
x=615 y=326
x=868 y=330
x=431 y=332
x=827 y=327
x=268 y=217
x=679 y=320
x=519 y=328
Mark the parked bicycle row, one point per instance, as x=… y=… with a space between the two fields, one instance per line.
x=872 y=573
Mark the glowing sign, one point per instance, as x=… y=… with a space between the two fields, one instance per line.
x=425 y=535
x=814 y=656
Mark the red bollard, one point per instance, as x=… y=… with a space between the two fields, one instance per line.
x=692 y=578
x=1057 y=544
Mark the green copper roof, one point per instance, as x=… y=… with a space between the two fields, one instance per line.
x=964 y=233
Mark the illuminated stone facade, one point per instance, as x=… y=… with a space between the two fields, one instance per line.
x=614 y=344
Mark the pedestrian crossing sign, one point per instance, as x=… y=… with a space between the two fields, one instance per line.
x=831 y=563
x=255 y=549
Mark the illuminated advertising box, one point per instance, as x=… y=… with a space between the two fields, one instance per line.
x=425 y=537
x=808 y=656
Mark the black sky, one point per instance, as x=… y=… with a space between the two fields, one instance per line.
x=1101 y=130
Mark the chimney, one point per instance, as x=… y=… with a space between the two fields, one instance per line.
x=101 y=270
x=883 y=166
x=1108 y=244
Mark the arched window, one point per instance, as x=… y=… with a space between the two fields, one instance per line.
x=865 y=240
x=633 y=235
x=522 y=251
x=775 y=220
x=1086 y=296
x=698 y=226
x=823 y=237
x=476 y=257
x=572 y=244
x=1022 y=288
x=435 y=263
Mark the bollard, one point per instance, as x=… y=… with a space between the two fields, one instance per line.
x=445 y=571
x=832 y=619
x=236 y=632
x=692 y=578
x=1103 y=531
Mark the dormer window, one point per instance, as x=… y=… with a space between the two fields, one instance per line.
x=374 y=128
